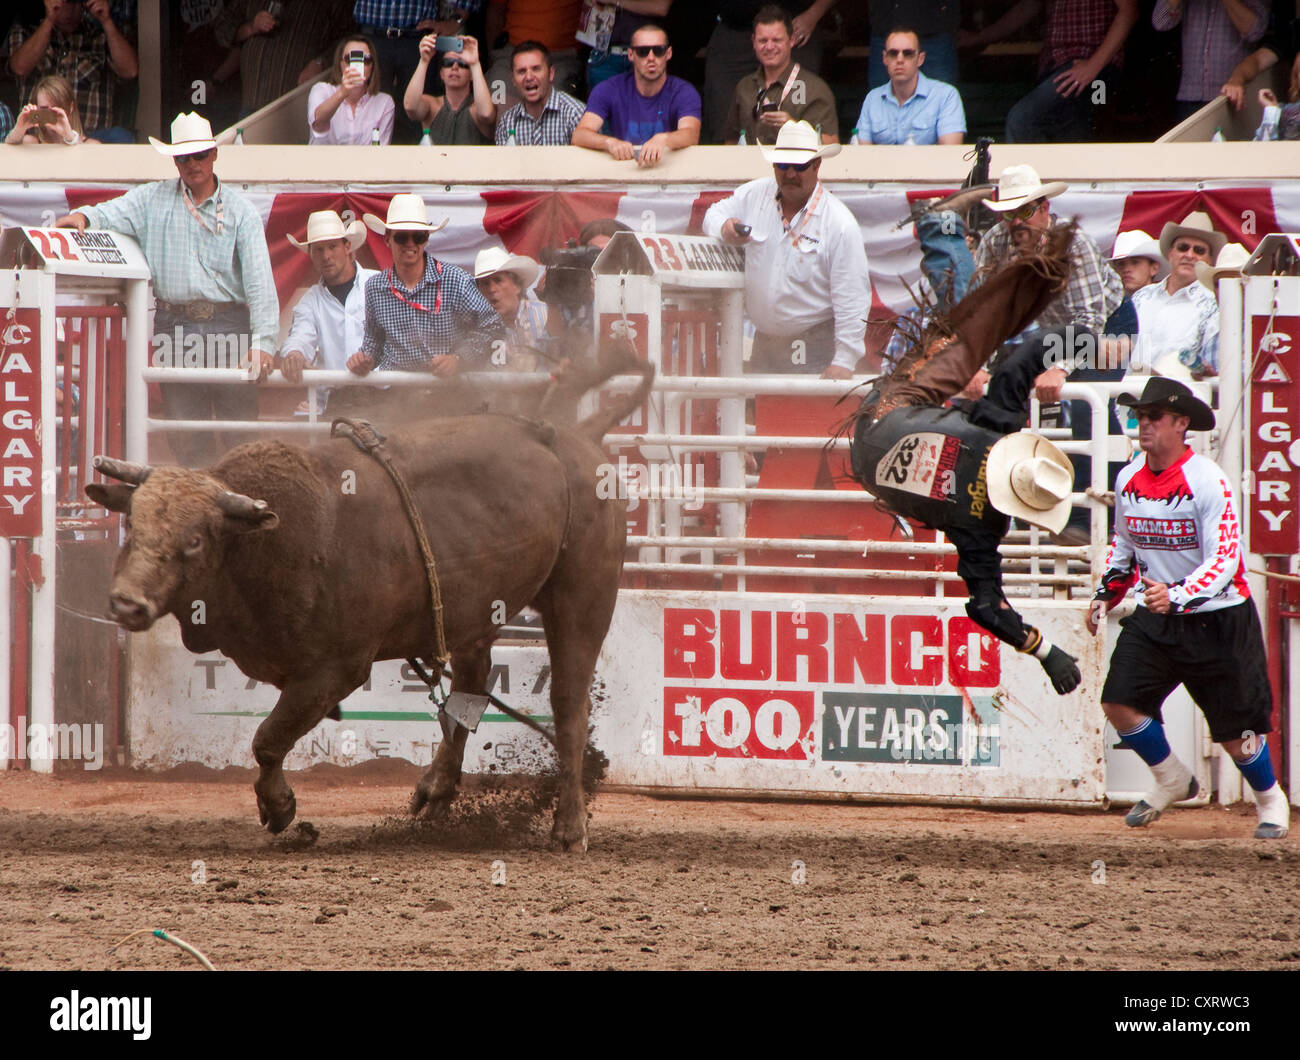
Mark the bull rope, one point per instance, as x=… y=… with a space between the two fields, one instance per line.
x=365 y=437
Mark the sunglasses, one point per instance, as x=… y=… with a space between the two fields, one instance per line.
x=900 y=53
x=1154 y=415
x=359 y=57
x=447 y=64
x=798 y=167
x=197 y=156
x=642 y=50
x=1025 y=212
x=403 y=239
x=1182 y=246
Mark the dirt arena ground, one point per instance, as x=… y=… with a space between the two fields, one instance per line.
x=86 y=859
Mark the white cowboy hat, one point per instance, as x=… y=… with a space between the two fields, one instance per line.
x=497 y=259
x=1229 y=262
x=326 y=224
x=1194 y=224
x=798 y=142
x=406 y=213
x=1020 y=184
x=1029 y=478
x=191 y=134
x=1137 y=244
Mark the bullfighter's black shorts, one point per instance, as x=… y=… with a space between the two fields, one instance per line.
x=1217 y=655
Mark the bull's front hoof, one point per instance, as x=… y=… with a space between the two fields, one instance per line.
x=277 y=819
x=568 y=839
x=429 y=802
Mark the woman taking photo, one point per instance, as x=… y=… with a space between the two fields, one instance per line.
x=348 y=107
x=51 y=117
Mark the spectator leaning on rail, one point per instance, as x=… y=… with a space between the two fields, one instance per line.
x=910 y=108
x=465 y=115
x=806 y=285
x=1217 y=35
x=1067 y=332
x=504 y=279
x=422 y=313
x=329 y=320
x=648 y=110
x=51 y=93
x=81 y=43
x=347 y=107
x=544 y=116
x=1176 y=533
x=1280 y=44
x=1179 y=315
x=1083 y=42
x=781 y=90
x=206 y=250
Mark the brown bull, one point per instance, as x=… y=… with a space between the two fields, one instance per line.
x=321 y=575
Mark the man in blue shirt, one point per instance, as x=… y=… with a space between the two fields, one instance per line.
x=911 y=108
x=649 y=112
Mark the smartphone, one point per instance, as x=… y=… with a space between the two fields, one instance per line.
x=448 y=44
x=45 y=116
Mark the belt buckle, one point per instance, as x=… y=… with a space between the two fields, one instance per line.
x=393 y=32
x=201 y=311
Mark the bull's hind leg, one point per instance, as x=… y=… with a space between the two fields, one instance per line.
x=436 y=789
x=576 y=620
x=300 y=708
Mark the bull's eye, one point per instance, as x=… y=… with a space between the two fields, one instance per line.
x=194 y=545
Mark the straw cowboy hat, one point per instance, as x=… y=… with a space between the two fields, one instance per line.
x=1020 y=184
x=497 y=259
x=1029 y=478
x=1197 y=225
x=406 y=213
x=1229 y=263
x=1161 y=392
x=326 y=224
x=1137 y=244
x=797 y=143
x=191 y=134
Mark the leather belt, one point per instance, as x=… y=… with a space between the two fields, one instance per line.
x=198 y=311
x=391 y=32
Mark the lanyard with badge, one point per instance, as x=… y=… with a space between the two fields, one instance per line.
x=795 y=232
x=221 y=210
x=437 y=292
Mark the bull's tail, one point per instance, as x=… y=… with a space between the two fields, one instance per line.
x=598 y=424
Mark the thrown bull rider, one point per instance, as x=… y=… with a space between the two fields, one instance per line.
x=964 y=470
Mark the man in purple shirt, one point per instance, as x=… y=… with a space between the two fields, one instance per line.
x=648 y=111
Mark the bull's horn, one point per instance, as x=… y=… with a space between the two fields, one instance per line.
x=124 y=470
x=238 y=506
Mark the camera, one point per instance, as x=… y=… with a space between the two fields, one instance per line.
x=568 y=274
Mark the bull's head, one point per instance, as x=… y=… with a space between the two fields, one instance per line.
x=178 y=522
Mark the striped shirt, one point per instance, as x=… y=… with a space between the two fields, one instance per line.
x=455 y=319
x=1212 y=46
x=553 y=129
x=191 y=263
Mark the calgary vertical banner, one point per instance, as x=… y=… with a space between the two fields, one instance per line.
x=20 y=417
x=1274 y=445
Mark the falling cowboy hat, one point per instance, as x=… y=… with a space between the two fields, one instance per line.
x=1029 y=478
x=1137 y=244
x=191 y=134
x=1229 y=263
x=324 y=225
x=1197 y=225
x=1020 y=184
x=406 y=213
x=497 y=259
x=796 y=143
x=1164 y=393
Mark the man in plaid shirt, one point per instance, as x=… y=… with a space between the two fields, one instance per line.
x=1072 y=323
x=423 y=314
x=545 y=116
x=82 y=44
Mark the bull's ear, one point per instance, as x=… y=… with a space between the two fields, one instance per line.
x=115 y=496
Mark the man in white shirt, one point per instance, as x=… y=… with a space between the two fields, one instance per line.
x=1180 y=315
x=329 y=320
x=806 y=285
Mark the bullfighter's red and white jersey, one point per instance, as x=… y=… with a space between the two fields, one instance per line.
x=1178 y=527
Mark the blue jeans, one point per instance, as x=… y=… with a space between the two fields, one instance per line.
x=940 y=60
x=1045 y=116
x=945 y=259
x=114 y=135
x=601 y=66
